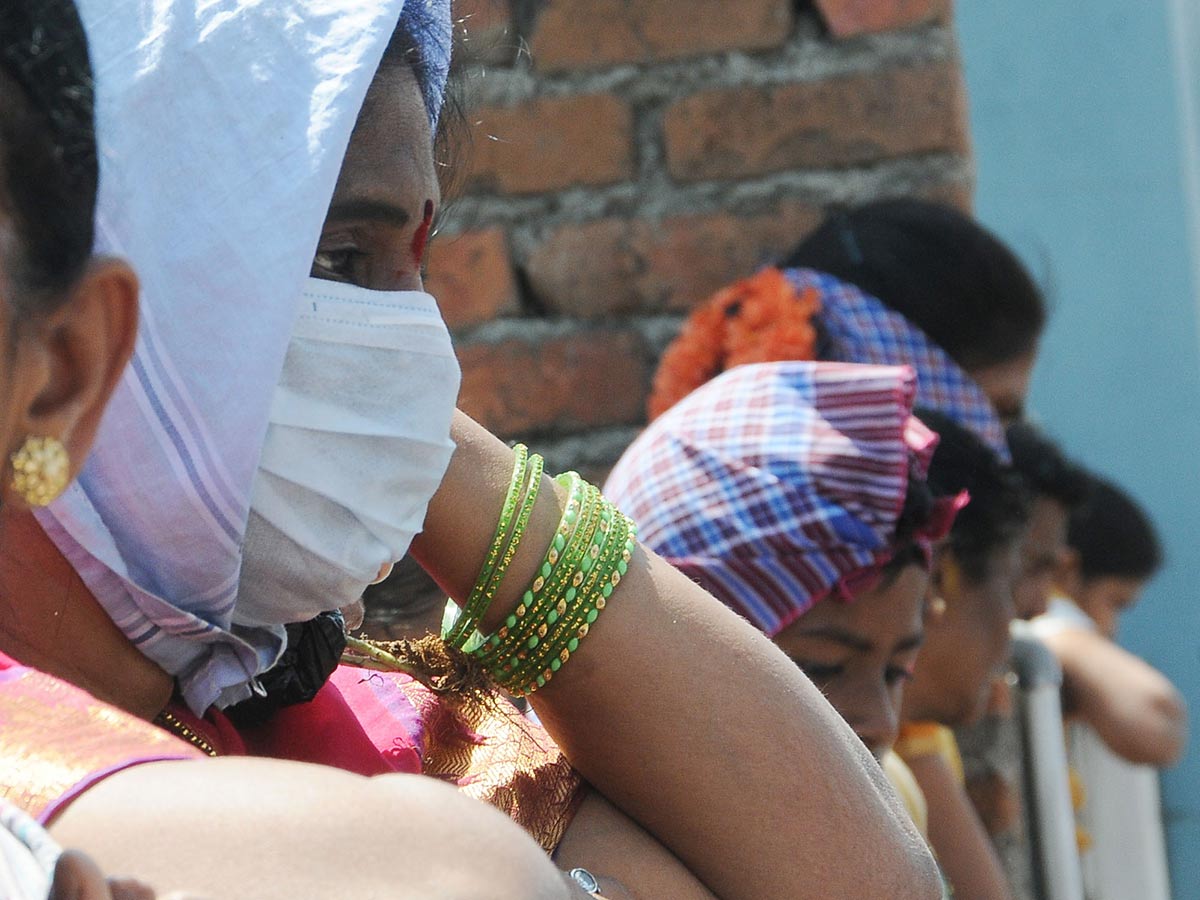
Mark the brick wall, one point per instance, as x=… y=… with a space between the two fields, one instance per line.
x=625 y=158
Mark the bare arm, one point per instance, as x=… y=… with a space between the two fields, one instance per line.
x=602 y=839
x=690 y=721
x=1136 y=711
x=958 y=837
x=260 y=829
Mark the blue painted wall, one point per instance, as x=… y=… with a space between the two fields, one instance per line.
x=1081 y=152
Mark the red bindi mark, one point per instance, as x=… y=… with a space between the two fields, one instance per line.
x=421 y=238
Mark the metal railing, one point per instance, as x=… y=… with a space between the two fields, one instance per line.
x=1057 y=870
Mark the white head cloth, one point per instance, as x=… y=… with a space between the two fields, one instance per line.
x=222 y=127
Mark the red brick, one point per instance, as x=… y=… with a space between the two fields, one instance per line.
x=552 y=143
x=472 y=277
x=847 y=18
x=483 y=31
x=839 y=122
x=595 y=33
x=583 y=380
x=616 y=266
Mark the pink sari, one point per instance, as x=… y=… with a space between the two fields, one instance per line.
x=374 y=723
x=56 y=741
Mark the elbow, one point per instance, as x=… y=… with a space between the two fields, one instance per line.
x=1171 y=711
x=1158 y=736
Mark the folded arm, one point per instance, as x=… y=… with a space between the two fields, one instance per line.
x=689 y=720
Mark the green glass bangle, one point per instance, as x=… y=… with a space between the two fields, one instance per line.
x=521 y=621
x=496 y=645
x=488 y=592
x=609 y=570
x=477 y=601
x=577 y=600
x=580 y=627
x=511 y=658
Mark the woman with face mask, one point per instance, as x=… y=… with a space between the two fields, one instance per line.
x=134 y=797
x=150 y=538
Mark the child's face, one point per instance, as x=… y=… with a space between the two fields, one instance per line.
x=861 y=653
x=1041 y=555
x=1106 y=597
x=968 y=647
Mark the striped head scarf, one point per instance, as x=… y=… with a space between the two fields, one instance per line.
x=859 y=328
x=778 y=484
x=221 y=130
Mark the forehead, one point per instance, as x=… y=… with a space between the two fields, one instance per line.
x=1006 y=384
x=390 y=155
x=885 y=614
x=1115 y=589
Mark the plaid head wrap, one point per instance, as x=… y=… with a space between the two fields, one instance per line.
x=861 y=329
x=777 y=484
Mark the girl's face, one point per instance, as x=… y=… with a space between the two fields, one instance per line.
x=968 y=646
x=1041 y=556
x=1007 y=385
x=861 y=653
x=387 y=195
x=1105 y=597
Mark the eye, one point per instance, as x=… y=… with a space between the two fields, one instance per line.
x=897 y=675
x=336 y=264
x=818 y=674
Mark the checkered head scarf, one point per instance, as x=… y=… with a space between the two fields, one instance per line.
x=859 y=328
x=777 y=484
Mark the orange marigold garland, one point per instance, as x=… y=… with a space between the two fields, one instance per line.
x=759 y=319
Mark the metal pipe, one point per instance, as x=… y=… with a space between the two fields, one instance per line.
x=1048 y=789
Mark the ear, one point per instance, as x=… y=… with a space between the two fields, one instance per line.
x=935 y=596
x=75 y=356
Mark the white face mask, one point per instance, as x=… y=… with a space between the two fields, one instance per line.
x=358 y=442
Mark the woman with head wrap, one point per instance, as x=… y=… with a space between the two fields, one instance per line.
x=66 y=329
x=794 y=492
x=895 y=282
x=966 y=647
x=222 y=217
x=765 y=318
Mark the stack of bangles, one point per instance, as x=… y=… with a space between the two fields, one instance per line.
x=585 y=562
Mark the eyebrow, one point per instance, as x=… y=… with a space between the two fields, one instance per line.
x=857 y=642
x=912 y=642
x=840 y=636
x=369 y=211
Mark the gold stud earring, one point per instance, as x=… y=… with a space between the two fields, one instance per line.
x=937 y=606
x=41 y=470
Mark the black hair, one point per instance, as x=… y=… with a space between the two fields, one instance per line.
x=914 y=516
x=1045 y=469
x=48 y=163
x=417 y=29
x=940 y=269
x=999 y=507
x=1113 y=535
